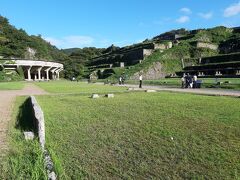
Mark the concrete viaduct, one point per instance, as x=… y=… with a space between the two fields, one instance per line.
x=35 y=70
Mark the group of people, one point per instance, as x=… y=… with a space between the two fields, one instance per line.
x=189 y=81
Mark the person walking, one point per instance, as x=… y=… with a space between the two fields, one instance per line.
x=183 y=80
x=123 y=78
x=120 y=80
x=188 y=81
x=195 y=81
x=140 y=81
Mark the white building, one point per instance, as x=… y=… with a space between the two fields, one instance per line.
x=35 y=70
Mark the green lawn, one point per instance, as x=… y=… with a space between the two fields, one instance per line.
x=143 y=136
x=77 y=87
x=11 y=85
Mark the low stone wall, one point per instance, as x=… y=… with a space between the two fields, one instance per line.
x=207 y=45
x=39 y=121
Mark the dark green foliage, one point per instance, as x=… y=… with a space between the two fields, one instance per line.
x=231 y=45
x=111 y=49
x=171 y=34
x=10 y=76
x=20 y=72
x=74 y=69
x=222 y=58
x=84 y=55
x=77 y=59
x=215 y=35
x=6 y=75
x=14 y=43
x=202 y=52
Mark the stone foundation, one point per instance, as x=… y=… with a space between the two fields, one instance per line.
x=154 y=72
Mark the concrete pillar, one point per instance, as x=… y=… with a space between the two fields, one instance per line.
x=122 y=64
x=35 y=77
x=200 y=60
x=47 y=73
x=53 y=73
x=39 y=73
x=199 y=73
x=237 y=72
x=218 y=73
x=183 y=65
x=57 y=73
x=29 y=73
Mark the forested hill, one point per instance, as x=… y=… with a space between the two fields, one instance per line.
x=16 y=43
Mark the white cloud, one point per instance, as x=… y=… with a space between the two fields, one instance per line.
x=86 y=41
x=71 y=41
x=230 y=23
x=53 y=41
x=78 y=40
x=232 y=10
x=104 y=43
x=183 y=19
x=186 y=10
x=207 y=15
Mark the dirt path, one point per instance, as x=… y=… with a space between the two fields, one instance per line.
x=217 y=92
x=7 y=99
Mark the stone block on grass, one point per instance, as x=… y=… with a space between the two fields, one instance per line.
x=28 y=135
x=130 y=89
x=109 y=95
x=150 y=90
x=95 y=96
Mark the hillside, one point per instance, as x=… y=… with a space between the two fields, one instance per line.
x=161 y=56
x=16 y=43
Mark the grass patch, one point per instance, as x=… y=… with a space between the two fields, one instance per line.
x=77 y=87
x=144 y=136
x=25 y=158
x=11 y=85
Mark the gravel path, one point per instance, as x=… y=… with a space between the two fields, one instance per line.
x=216 y=92
x=7 y=99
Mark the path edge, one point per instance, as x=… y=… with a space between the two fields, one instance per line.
x=40 y=125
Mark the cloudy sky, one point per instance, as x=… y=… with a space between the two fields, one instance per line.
x=100 y=23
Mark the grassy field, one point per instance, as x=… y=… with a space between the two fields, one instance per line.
x=143 y=136
x=226 y=83
x=11 y=85
x=25 y=159
x=77 y=87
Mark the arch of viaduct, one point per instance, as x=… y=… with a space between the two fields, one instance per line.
x=36 y=70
